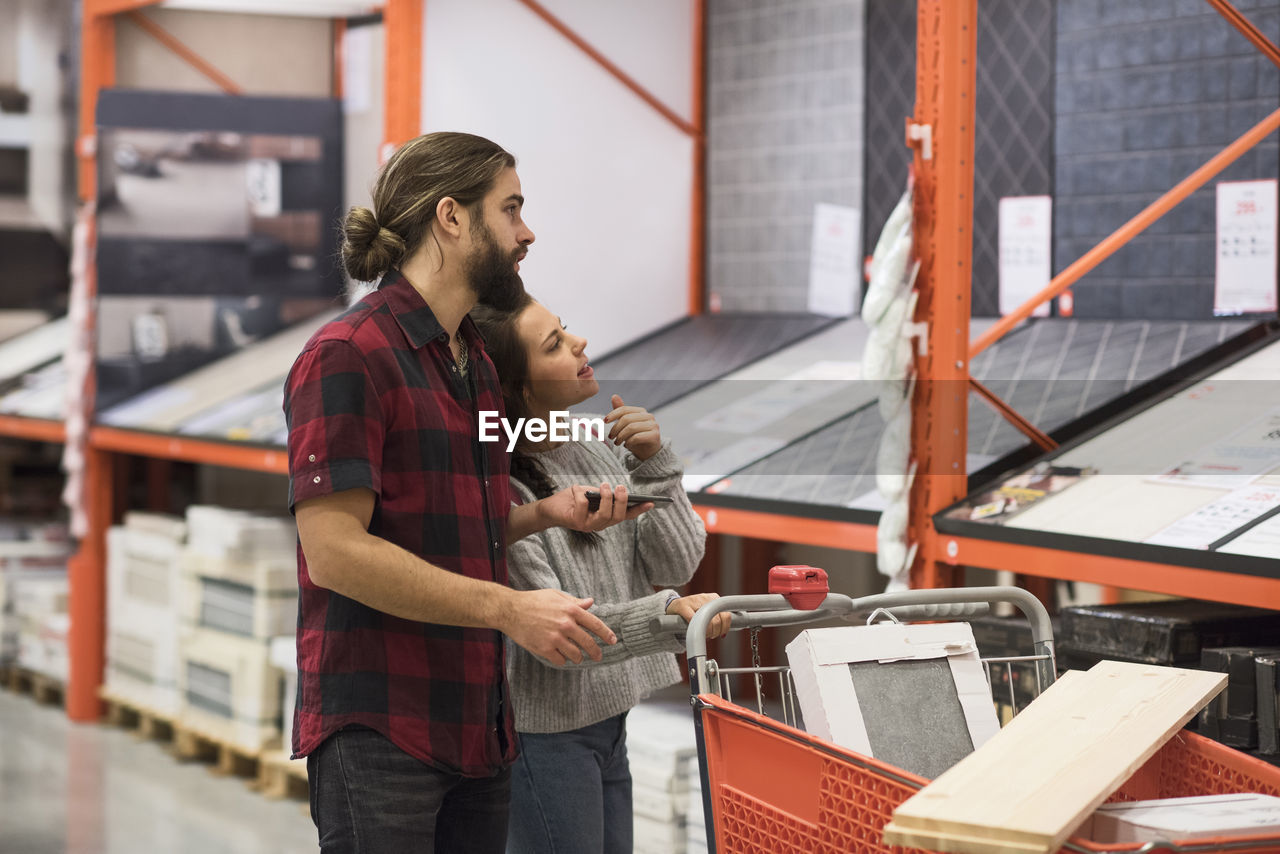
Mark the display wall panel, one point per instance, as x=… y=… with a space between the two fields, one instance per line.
x=1145 y=93
x=1014 y=134
x=1178 y=482
x=607 y=179
x=691 y=353
x=785 y=132
x=745 y=415
x=215 y=386
x=1038 y=367
x=33 y=348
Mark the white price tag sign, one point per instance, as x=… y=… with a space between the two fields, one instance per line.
x=833 y=261
x=1245 y=281
x=1026 y=234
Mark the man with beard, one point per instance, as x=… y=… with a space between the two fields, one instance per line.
x=404 y=517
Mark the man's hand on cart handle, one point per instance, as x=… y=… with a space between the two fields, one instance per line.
x=686 y=606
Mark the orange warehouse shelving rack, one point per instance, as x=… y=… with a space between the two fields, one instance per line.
x=946 y=38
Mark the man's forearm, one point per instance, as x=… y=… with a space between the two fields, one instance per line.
x=384 y=576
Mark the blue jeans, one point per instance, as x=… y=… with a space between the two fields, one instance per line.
x=571 y=792
x=369 y=797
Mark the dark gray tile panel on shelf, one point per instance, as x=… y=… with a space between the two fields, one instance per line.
x=695 y=351
x=1052 y=371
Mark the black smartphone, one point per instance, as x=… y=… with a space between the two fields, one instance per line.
x=633 y=498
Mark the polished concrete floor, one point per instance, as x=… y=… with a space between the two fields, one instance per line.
x=92 y=789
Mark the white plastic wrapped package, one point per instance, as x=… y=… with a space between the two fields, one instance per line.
x=894 y=456
x=887 y=354
x=899 y=218
x=887 y=277
x=892 y=554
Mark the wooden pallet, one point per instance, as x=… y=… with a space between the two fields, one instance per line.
x=144 y=722
x=43 y=689
x=230 y=760
x=282 y=777
x=187 y=743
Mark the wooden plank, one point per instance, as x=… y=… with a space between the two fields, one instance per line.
x=1031 y=785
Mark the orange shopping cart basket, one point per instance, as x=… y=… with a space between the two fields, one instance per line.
x=768 y=787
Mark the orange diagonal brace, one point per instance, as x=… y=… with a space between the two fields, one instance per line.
x=97 y=8
x=1128 y=231
x=192 y=58
x=1013 y=416
x=623 y=78
x=1241 y=23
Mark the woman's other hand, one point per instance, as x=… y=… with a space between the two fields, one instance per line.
x=686 y=606
x=634 y=427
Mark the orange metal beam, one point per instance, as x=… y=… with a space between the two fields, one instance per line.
x=97 y=72
x=1129 y=230
x=1241 y=23
x=788 y=529
x=339 y=35
x=175 y=46
x=402 y=23
x=622 y=77
x=1097 y=569
x=104 y=8
x=189 y=450
x=697 y=217
x=35 y=429
x=946 y=32
x=87 y=595
x=1013 y=416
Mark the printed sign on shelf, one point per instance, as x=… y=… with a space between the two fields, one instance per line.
x=1245 y=281
x=1026 y=234
x=834 y=271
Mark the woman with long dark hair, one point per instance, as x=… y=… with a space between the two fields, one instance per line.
x=571 y=786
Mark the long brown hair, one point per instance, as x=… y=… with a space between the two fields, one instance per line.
x=423 y=171
x=502 y=343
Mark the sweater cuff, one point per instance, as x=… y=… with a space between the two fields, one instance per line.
x=666 y=463
x=634 y=631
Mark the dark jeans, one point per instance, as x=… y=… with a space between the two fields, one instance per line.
x=369 y=797
x=571 y=792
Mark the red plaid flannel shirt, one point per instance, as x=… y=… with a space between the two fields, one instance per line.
x=376 y=401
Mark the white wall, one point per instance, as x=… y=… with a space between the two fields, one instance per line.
x=607 y=179
x=363 y=109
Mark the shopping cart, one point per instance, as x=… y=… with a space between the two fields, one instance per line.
x=770 y=788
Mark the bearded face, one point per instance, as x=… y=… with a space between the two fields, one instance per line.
x=491 y=271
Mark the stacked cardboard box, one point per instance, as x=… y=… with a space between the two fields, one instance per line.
x=33 y=596
x=143 y=628
x=664 y=767
x=239 y=590
x=41 y=605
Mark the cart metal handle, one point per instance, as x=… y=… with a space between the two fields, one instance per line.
x=777 y=611
x=670 y=624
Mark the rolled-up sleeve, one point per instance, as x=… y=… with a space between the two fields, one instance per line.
x=336 y=426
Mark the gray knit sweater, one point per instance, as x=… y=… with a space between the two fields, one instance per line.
x=661 y=548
